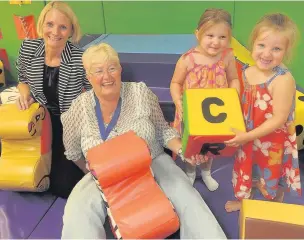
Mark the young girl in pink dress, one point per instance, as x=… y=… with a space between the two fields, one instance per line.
x=211 y=64
x=268 y=155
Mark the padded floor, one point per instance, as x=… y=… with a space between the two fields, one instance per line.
x=50 y=225
x=20 y=213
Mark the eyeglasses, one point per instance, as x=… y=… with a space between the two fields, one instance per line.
x=100 y=72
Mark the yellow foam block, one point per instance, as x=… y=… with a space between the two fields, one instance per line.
x=23 y=168
x=2 y=76
x=213 y=111
x=299 y=119
x=241 y=53
x=209 y=115
x=17 y=124
x=271 y=220
x=26 y=158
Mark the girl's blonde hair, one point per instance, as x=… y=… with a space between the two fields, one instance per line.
x=211 y=17
x=279 y=23
x=67 y=11
x=100 y=53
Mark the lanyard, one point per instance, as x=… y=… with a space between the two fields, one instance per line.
x=104 y=132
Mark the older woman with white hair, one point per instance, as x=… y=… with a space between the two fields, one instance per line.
x=121 y=107
x=50 y=71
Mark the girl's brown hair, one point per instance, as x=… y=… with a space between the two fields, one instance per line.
x=211 y=17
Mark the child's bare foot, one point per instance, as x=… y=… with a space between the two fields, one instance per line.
x=232 y=206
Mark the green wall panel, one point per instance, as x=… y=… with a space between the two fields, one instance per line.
x=248 y=13
x=90 y=16
x=10 y=40
x=156 y=17
x=153 y=17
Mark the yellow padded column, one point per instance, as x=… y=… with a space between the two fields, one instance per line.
x=26 y=148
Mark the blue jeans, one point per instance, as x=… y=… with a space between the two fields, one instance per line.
x=85 y=213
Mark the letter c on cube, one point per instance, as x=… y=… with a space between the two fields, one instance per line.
x=209 y=115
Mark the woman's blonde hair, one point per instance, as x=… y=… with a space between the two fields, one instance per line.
x=211 y=17
x=67 y=11
x=279 y=23
x=100 y=53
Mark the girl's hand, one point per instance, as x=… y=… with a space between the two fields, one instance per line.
x=239 y=139
x=197 y=159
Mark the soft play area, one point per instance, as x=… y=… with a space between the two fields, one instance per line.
x=149 y=37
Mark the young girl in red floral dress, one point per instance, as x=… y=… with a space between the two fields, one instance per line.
x=267 y=155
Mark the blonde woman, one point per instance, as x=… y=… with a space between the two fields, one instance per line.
x=50 y=71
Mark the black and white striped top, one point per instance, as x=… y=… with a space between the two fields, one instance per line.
x=72 y=77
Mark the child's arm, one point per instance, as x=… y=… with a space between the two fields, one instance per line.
x=283 y=96
x=231 y=72
x=177 y=82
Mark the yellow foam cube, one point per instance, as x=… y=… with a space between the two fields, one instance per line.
x=271 y=220
x=209 y=115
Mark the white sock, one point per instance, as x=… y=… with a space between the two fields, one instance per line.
x=210 y=182
x=190 y=172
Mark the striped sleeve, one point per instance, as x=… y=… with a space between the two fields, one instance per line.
x=20 y=65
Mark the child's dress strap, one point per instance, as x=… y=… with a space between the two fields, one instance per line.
x=279 y=71
x=190 y=55
x=244 y=67
x=225 y=52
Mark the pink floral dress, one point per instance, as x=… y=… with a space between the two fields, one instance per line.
x=203 y=76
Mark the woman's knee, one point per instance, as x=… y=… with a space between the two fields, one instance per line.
x=171 y=178
x=84 y=213
x=85 y=197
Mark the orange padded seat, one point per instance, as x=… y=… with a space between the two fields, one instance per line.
x=136 y=205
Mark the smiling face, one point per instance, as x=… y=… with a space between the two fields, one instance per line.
x=269 y=49
x=105 y=78
x=215 y=39
x=57 y=28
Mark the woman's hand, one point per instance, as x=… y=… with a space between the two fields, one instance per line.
x=25 y=99
x=197 y=159
x=239 y=139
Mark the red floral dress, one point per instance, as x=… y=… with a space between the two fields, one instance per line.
x=273 y=159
